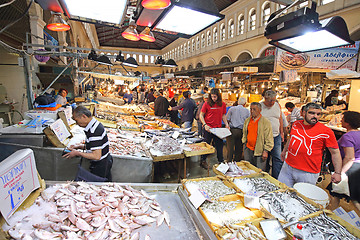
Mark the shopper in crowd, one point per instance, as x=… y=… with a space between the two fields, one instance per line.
x=197 y=116
x=188 y=110
x=141 y=97
x=205 y=90
x=236 y=116
x=270 y=109
x=212 y=112
x=135 y=95
x=331 y=99
x=349 y=145
x=96 y=144
x=61 y=97
x=121 y=91
x=174 y=114
x=150 y=96
x=171 y=92
x=305 y=148
x=128 y=97
x=295 y=114
x=161 y=104
x=257 y=137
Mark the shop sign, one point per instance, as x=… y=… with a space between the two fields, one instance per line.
x=60 y=130
x=18 y=178
x=317 y=61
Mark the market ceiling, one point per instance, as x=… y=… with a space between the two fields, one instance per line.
x=111 y=37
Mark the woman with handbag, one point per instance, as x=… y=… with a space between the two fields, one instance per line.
x=349 y=145
x=96 y=147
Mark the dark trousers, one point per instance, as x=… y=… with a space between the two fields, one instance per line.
x=102 y=168
x=234 y=144
x=217 y=142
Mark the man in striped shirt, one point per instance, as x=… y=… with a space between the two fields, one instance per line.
x=294 y=112
x=96 y=144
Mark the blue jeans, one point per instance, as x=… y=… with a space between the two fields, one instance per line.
x=276 y=158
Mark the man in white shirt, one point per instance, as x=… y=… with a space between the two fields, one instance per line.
x=272 y=111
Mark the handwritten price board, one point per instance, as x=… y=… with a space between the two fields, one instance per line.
x=18 y=178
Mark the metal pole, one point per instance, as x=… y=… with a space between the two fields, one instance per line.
x=57 y=77
x=28 y=81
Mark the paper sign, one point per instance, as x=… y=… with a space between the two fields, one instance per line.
x=175 y=135
x=197 y=198
x=60 y=130
x=223 y=168
x=220 y=132
x=252 y=199
x=68 y=115
x=18 y=178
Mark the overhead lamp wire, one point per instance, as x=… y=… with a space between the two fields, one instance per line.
x=8 y=3
x=22 y=15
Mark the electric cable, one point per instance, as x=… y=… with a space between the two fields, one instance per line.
x=8 y=3
x=22 y=15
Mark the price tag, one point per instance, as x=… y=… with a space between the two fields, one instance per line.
x=18 y=178
x=223 y=168
x=199 y=197
x=175 y=135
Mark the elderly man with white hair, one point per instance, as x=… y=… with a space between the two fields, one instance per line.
x=236 y=117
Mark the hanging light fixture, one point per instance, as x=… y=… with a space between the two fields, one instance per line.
x=147 y=35
x=130 y=62
x=170 y=63
x=57 y=23
x=155 y=4
x=130 y=33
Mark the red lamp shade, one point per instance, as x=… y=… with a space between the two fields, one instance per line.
x=56 y=23
x=155 y=4
x=131 y=34
x=147 y=35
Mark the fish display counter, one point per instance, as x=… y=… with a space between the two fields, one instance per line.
x=79 y=210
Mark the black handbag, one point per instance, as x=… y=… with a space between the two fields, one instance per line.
x=86 y=176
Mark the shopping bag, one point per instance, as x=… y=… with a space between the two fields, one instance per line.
x=343 y=186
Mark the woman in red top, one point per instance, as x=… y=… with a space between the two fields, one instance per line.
x=212 y=112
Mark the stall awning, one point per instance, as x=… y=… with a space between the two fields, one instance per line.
x=342 y=73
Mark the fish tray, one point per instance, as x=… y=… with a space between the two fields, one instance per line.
x=307 y=200
x=107 y=123
x=216 y=178
x=353 y=230
x=26 y=204
x=135 y=129
x=167 y=157
x=264 y=175
x=245 y=165
x=255 y=213
x=219 y=233
x=205 y=149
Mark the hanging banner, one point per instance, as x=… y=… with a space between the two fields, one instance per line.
x=317 y=61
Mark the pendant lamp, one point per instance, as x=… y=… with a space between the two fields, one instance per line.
x=155 y=4
x=57 y=23
x=130 y=33
x=147 y=35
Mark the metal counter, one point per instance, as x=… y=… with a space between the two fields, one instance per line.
x=51 y=165
x=186 y=222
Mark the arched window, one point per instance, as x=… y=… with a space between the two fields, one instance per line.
x=265 y=13
x=197 y=43
x=189 y=47
x=280 y=6
x=224 y=60
x=323 y=2
x=178 y=52
x=199 y=65
x=152 y=58
x=241 y=24
x=215 y=36
x=231 y=28
x=175 y=52
x=252 y=19
x=190 y=67
x=185 y=49
x=222 y=32
x=193 y=45
x=128 y=55
x=146 y=59
x=203 y=41
x=140 y=59
x=208 y=37
x=183 y=68
x=181 y=51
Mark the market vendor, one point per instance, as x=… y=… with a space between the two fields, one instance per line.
x=332 y=99
x=61 y=97
x=188 y=107
x=128 y=96
x=212 y=112
x=96 y=144
x=161 y=104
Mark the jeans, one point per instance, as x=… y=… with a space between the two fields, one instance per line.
x=290 y=176
x=257 y=161
x=188 y=125
x=234 y=141
x=218 y=144
x=200 y=127
x=276 y=158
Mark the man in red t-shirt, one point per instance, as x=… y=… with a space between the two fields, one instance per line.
x=308 y=139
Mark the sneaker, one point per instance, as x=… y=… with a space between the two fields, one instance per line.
x=204 y=165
